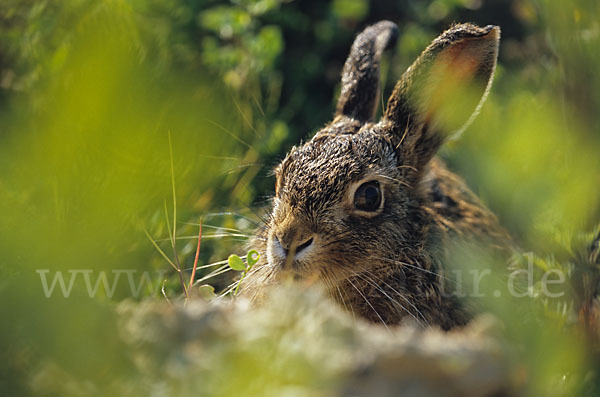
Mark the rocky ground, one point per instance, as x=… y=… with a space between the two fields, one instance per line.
x=297 y=344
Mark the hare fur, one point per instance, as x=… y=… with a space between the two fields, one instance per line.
x=365 y=208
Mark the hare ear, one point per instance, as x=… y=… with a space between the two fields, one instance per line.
x=442 y=91
x=360 y=77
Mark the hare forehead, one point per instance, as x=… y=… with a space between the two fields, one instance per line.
x=321 y=171
x=349 y=155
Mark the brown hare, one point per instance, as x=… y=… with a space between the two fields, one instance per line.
x=365 y=208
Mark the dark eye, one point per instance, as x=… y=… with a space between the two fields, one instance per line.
x=368 y=196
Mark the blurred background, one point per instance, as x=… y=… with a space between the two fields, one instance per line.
x=91 y=91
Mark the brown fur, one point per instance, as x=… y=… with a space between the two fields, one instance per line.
x=586 y=285
x=386 y=265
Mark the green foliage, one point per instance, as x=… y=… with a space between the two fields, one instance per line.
x=253 y=256
x=89 y=90
x=350 y=9
x=236 y=263
x=207 y=292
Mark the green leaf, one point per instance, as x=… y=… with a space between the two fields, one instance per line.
x=252 y=258
x=207 y=291
x=236 y=263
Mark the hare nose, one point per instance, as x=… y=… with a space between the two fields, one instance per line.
x=304 y=245
x=289 y=240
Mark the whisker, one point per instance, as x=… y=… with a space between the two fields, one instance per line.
x=217 y=157
x=215 y=214
x=378 y=288
x=374 y=284
x=230 y=133
x=258 y=105
x=415 y=267
x=407 y=301
x=337 y=241
x=344 y=302
x=369 y=303
x=223 y=262
x=221 y=235
x=265 y=221
x=330 y=284
x=229 y=289
x=216 y=272
x=241 y=167
x=267 y=272
x=410 y=167
x=244 y=117
x=405 y=133
x=204 y=225
x=395 y=180
x=383 y=107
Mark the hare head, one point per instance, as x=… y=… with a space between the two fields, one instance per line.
x=350 y=205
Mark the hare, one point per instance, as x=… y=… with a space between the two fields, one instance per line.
x=365 y=208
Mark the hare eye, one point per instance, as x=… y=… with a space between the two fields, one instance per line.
x=368 y=196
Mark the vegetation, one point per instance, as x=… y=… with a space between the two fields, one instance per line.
x=123 y=120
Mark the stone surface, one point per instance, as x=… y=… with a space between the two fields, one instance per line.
x=300 y=344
